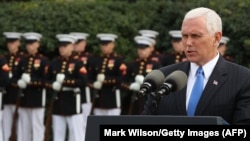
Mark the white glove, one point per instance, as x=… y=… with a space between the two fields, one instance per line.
x=21 y=84
x=139 y=78
x=97 y=85
x=56 y=86
x=135 y=86
x=60 y=77
x=10 y=75
x=77 y=90
x=100 y=77
x=26 y=78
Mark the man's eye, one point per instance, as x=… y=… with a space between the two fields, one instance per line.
x=195 y=36
x=184 y=36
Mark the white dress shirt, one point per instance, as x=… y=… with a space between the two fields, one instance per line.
x=207 y=68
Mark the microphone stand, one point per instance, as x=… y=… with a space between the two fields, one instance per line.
x=155 y=103
x=165 y=89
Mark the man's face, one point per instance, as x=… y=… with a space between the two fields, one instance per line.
x=200 y=47
x=177 y=46
x=222 y=49
x=80 y=46
x=66 y=50
x=144 y=53
x=13 y=46
x=32 y=47
x=107 y=48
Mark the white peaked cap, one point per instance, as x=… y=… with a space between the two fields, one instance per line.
x=224 y=40
x=80 y=35
x=144 y=40
x=32 y=36
x=148 y=33
x=175 y=33
x=106 y=36
x=66 y=38
x=12 y=35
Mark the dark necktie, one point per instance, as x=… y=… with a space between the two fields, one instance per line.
x=196 y=92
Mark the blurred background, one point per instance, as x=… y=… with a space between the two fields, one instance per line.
x=124 y=18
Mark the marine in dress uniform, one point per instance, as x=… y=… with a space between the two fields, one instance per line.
x=13 y=57
x=4 y=81
x=85 y=57
x=66 y=75
x=223 y=49
x=136 y=71
x=177 y=54
x=106 y=74
x=29 y=76
x=155 y=55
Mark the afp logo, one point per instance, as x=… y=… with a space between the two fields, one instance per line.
x=234 y=133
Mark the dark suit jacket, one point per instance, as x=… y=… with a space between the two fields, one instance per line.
x=226 y=94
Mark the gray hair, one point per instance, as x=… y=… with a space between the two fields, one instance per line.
x=213 y=20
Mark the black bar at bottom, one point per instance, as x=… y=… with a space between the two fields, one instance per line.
x=96 y=124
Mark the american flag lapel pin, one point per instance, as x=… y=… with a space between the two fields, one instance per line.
x=215 y=82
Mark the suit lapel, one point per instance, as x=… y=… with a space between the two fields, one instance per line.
x=216 y=80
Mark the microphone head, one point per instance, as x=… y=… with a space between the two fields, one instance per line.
x=178 y=79
x=155 y=78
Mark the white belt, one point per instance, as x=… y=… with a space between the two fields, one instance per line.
x=77 y=91
x=69 y=89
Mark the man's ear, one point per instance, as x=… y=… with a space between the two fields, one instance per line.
x=218 y=36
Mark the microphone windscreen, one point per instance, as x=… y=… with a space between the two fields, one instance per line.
x=178 y=79
x=155 y=78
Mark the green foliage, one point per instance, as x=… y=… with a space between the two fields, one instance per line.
x=124 y=18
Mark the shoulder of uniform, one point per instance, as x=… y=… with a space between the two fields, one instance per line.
x=75 y=57
x=156 y=52
x=155 y=59
x=21 y=53
x=25 y=55
x=118 y=55
x=88 y=53
x=42 y=56
x=137 y=59
x=115 y=54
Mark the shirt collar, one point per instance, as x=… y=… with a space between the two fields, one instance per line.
x=207 y=68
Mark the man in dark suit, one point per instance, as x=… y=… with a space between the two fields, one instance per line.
x=226 y=85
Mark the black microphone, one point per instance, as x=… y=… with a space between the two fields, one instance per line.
x=152 y=82
x=173 y=82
